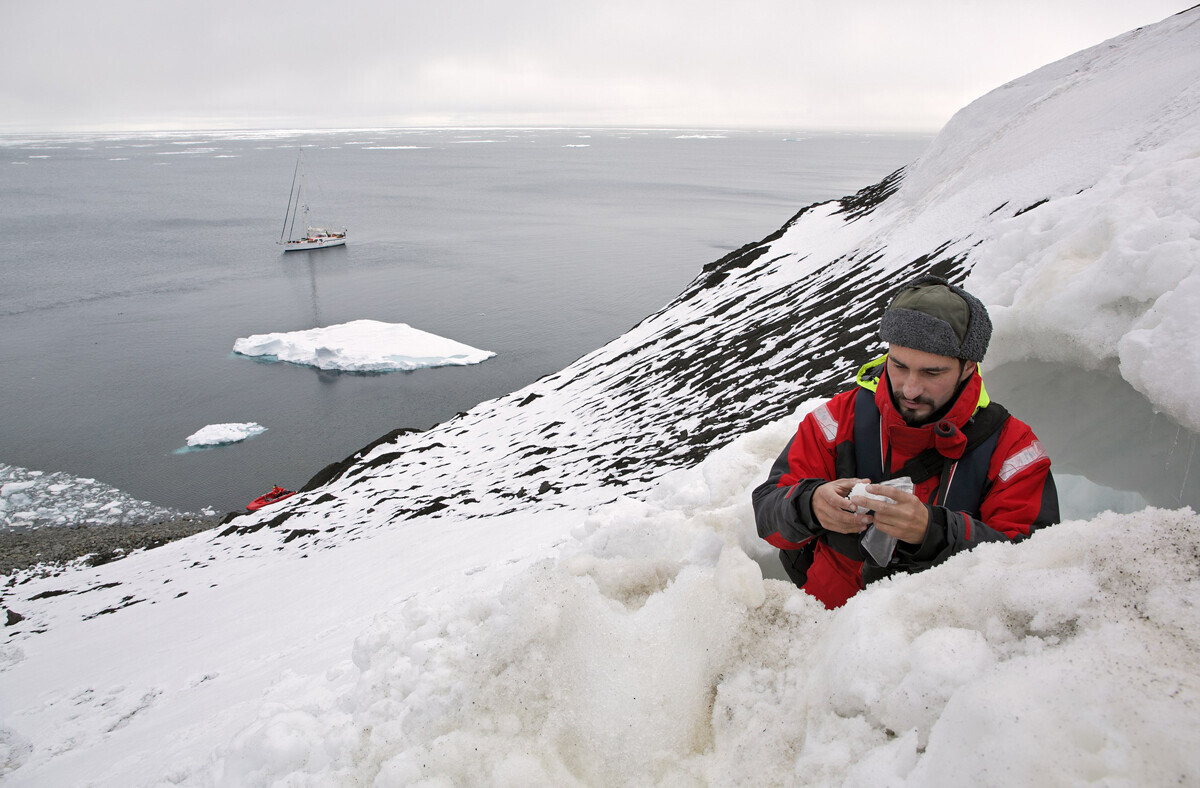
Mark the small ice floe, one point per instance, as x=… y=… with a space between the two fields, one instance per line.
x=221 y=434
x=362 y=346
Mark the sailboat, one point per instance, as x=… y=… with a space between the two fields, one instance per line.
x=311 y=237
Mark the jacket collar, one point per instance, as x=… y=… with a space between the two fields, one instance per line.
x=945 y=433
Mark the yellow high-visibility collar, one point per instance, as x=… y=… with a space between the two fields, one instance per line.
x=870 y=373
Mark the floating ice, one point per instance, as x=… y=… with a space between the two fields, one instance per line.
x=362 y=346
x=34 y=499
x=221 y=434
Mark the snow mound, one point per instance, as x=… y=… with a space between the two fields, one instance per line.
x=362 y=346
x=1075 y=187
x=1107 y=277
x=649 y=650
x=222 y=434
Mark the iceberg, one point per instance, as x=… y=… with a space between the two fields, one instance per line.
x=221 y=434
x=362 y=346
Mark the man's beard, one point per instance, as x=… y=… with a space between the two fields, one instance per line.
x=909 y=415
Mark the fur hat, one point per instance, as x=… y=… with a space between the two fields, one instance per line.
x=932 y=315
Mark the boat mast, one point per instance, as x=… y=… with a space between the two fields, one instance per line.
x=291 y=194
x=296 y=211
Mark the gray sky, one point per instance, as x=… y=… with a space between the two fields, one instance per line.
x=857 y=65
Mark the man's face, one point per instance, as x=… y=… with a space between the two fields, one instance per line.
x=923 y=382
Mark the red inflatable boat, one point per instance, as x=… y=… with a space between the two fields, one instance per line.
x=276 y=495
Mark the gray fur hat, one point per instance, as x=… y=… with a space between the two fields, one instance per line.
x=932 y=315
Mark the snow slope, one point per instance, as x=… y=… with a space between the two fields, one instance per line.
x=563 y=586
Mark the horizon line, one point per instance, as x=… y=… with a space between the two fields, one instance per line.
x=294 y=130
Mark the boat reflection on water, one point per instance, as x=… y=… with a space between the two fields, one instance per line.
x=1109 y=448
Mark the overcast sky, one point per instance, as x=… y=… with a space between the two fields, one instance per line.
x=903 y=65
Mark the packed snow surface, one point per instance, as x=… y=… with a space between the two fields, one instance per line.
x=221 y=434
x=635 y=643
x=362 y=346
x=648 y=650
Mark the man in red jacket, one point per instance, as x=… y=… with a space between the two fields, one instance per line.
x=922 y=412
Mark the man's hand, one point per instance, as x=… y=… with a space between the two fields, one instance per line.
x=834 y=511
x=907 y=519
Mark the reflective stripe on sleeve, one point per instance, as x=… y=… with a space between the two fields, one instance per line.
x=825 y=420
x=1022 y=460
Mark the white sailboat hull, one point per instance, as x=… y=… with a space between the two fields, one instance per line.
x=321 y=242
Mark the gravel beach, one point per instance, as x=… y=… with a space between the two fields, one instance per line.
x=62 y=544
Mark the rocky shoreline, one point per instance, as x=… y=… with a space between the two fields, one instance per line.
x=59 y=545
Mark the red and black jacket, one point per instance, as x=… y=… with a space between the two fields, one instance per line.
x=987 y=478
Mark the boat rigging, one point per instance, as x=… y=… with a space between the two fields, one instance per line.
x=311 y=237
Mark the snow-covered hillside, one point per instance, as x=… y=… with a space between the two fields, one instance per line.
x=1067 y=198
x=563 y=586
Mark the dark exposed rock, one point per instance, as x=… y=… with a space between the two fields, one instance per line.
x=868 y=199
x=299 y=532
x=336 y=469
x=56 y=545
x=1029 y=208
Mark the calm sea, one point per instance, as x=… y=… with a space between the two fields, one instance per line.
x=131 y=265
